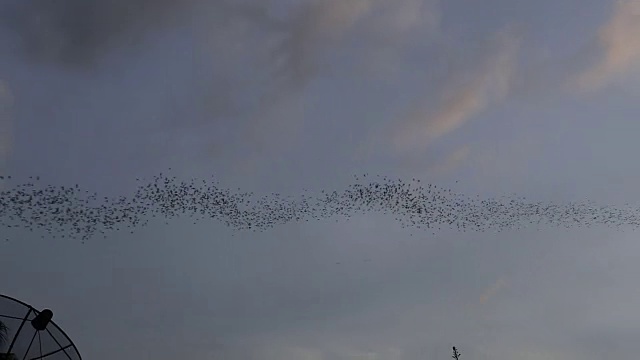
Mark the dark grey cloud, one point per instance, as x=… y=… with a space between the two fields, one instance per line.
x=243 y=50
x=250 y=60
x=79 y=32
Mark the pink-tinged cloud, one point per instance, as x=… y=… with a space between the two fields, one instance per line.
x=492 y=290
x=489 y=84
x=619 y=39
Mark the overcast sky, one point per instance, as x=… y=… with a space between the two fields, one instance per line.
x=538 y=98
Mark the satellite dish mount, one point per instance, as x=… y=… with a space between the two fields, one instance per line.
x=33 y=335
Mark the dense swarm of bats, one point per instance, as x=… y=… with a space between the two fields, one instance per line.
x=73 y=213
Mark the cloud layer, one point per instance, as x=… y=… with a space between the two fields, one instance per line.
x=80 y=32
x=485 y=85
x=256 y=58
x=620 y=46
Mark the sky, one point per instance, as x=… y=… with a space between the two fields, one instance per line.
x=494 y=97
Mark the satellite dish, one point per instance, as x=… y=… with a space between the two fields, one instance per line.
x=29 y=334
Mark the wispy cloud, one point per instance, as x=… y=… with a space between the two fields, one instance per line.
x=620 y=46
x=492 y=290
x=318 y=28
x=308 y=39
x=488 y=84
x=395 y=27
x=314 y=28
x=303 y=42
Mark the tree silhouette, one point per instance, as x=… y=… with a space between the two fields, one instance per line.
x=456 y=354
x=4 y=334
